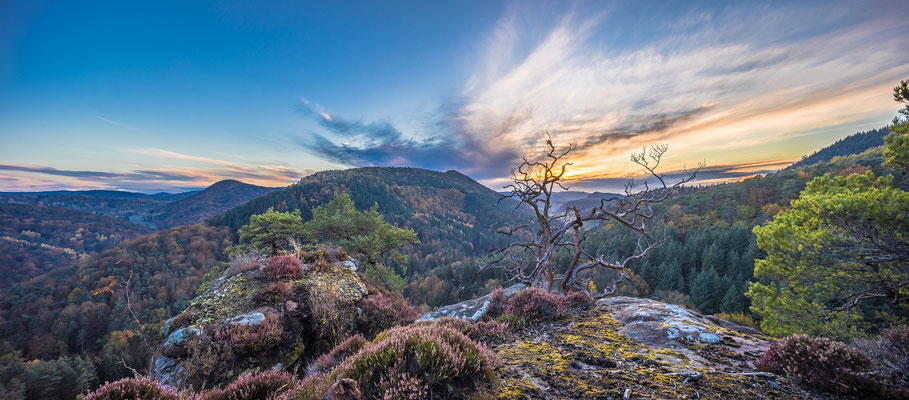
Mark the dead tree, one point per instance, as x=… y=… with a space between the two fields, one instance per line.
x=533 y=184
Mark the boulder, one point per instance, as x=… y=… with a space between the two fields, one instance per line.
x=470 y=309
x=175 y=344
x=344 y=389
x=658 y=324
x=629 y=348
x=242 y=303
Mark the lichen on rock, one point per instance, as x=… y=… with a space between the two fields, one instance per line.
x=626 y=348
x=236 y=313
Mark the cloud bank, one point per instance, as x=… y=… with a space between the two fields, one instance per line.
x=733 y=87
x=172 y=179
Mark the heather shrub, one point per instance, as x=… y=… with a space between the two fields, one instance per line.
x=577 y=299
x=207 y=363
x=134 y=388
x=821 y=363
x=535 y=304
x=421 y=360
x=262 y=385
x=496 y=305
x=276 y=291
x=283 y=267
x=340 y=353
x=514 y=322
x=480 y=330
x=312 y=387
x=382 y=310
x=250 y=339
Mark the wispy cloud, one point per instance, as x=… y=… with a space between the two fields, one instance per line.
x=18 y=176
x=734 y=87
x=359 y=143
x=722 y=84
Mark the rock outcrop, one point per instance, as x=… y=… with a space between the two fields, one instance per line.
x=470 y=309
x=629 y=348
x=248 y=321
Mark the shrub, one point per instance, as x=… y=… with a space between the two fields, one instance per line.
x=207 y=363
x=284 y=267
x=890 y=352
x=340 y=353
x=312 y=387
x=496 y=303
x=134 y=388
x=820 y=363
x=434 y=360
x=242 y=263
x=249 y=339
x=383 y=310
x=263 y=385
x=739 y=318
x=480 y=330
x=577 y=299
x=535 y=304
x=276 y=291
x=514 y=322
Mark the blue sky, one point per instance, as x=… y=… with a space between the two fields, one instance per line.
x=175 y=95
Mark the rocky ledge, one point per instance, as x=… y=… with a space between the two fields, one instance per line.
x=249 y=321
x=630 y=348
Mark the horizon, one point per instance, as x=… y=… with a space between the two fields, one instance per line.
x=174 y=97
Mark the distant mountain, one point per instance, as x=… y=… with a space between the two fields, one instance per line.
x=208 y=203
x=589 y=201
x=852 y=144
x=36 y=239
x=117 y=194
x=126 y=206
x=454 y=216
x=156 y=211
x=568 y=195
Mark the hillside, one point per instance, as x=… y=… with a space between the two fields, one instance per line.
x=589 y=201
x=454 y=216
x=82 y=309
x=127 y=206
x=36 y=239
x=206 y=204
x=852 y=144
x=156 y=211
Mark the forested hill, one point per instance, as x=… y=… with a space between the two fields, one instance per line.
x=454 y=216
x=208 y=203
x=852 y=144
x=36 y=239
x=126 y=206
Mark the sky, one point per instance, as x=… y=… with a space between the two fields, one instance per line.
x=175 y=95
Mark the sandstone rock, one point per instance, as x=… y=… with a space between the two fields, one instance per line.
x=175 y=344
x=251 y=318
x=344 y=389
x=658 y=324
x=239 y=301
x=629 y=348
x=470 y=309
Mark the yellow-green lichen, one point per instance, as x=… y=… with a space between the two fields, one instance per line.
x=585 y=357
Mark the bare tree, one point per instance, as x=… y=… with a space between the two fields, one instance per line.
x=533 y=184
